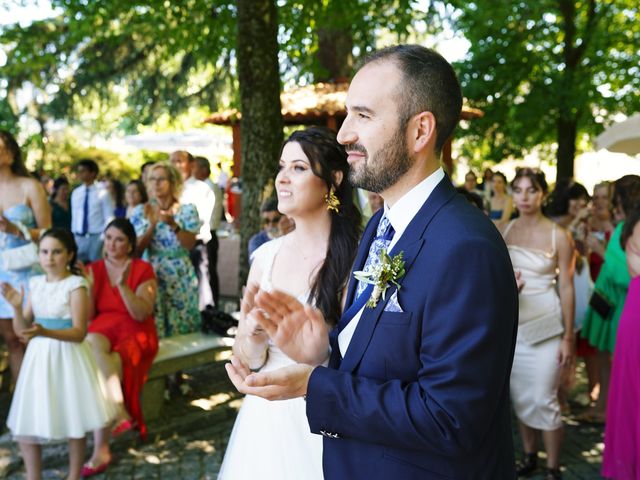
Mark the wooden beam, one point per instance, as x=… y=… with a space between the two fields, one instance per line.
x=237 y=155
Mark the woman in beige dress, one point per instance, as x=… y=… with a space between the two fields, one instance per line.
x=541 y=252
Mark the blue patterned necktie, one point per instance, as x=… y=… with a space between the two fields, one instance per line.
x=85 y=212
x=382 y=240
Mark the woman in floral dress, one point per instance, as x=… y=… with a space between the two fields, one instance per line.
x=167 y=231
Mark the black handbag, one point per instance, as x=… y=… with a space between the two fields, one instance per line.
x=216 y=322
x=601 y=305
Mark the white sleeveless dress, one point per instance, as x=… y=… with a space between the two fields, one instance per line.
x=535 y=374
x=60 y=393
x=271 y=439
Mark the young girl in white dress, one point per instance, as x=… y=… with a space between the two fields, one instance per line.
x=272 y=440
x=59 y=394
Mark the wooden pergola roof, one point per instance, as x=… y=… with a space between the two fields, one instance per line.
x=313 y=103
x=316 y=104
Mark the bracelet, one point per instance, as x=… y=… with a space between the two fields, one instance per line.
x=266 y=357
x=257 y=369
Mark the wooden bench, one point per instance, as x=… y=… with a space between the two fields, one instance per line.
x=175 y=354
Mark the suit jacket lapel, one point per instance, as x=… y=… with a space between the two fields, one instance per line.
x=410 y=244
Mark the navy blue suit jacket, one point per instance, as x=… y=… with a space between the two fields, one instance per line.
x=424 y=393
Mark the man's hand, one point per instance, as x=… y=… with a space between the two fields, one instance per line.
x=281 y=384
x=299 y=330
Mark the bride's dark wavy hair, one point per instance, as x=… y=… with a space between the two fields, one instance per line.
x=327 y=156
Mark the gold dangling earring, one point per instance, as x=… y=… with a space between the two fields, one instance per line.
x=332 y=201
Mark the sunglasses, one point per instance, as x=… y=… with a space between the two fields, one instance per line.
x=271 y=221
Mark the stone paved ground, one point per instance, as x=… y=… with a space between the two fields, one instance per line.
x=189 y=440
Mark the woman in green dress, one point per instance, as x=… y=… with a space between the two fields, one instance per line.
x=603 y=314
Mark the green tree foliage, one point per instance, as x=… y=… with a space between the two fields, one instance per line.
x=165 y=55
x=545 y=72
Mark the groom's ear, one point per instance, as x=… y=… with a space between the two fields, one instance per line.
x=337 y=176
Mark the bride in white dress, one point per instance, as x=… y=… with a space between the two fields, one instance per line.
x=271 y=440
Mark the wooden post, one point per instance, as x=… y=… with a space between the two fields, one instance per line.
x=237 y=151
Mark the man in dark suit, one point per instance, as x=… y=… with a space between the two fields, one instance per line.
x=417 y=385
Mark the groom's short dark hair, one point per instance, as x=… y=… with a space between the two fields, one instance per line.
x=429 y=85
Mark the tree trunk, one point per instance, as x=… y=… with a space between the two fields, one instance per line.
x=567 y=132
x=261 y=127
x=335 y=43
x=334 y=54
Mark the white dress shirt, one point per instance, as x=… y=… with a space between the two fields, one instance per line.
x=199 y=194
x=101 y=209
x=400 y=216
x=216 y=216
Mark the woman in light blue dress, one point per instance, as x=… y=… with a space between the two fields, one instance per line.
x=24 y=211
x=167 y=231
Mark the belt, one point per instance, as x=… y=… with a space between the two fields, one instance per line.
x=169 y=254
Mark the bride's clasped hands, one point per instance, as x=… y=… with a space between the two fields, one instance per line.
x=299 y=330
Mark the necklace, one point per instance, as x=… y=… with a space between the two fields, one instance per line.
x=300 y=251
x=165 y=208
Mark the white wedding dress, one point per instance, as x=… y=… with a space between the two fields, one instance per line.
x=271 y=439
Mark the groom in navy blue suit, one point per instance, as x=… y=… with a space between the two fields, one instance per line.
x=417 y=385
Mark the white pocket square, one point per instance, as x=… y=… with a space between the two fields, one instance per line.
x=393 y=305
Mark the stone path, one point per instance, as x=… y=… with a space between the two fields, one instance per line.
x=188 y=440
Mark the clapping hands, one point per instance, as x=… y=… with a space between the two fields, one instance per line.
x=11 y=295
x=249 y=313
x=281 y=384
x=152 y=212
x=299 y=330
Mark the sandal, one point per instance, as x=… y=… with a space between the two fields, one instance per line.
x=529 y=465
x=123 y=427
x=89 y=470
x=552 y=474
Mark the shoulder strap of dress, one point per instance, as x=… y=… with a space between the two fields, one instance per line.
x=268 y=253
x=553 y=238
x=507 y=228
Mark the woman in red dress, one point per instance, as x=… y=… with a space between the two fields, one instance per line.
x=122 y=332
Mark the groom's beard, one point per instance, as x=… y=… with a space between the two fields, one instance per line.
x=385 y=167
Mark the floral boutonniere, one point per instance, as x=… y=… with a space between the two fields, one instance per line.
x=381 y=276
